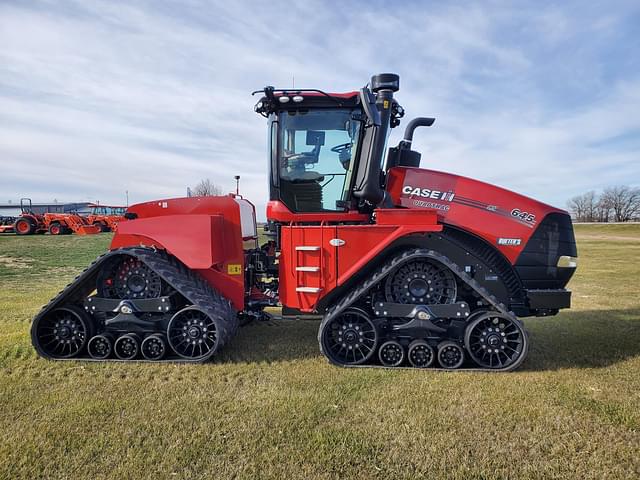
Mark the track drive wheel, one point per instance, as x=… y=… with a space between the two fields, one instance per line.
x=350 y=338
x=450 y=355
x=423 y=281
x=127 y=277
x=61 y=333
x=193 y=334
x=391 y=354
x=421 y=354
x=24 y=226
x=496 y=341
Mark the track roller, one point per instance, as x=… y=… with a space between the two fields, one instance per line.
x=127 y=346
x=421 y=354
x=61 y=333
x=349 y=339
x=450 y=355
x=496 y=341
x=154 y=347
x=391 y=354
x=100 y=346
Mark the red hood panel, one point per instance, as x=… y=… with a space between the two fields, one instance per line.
x=503 y=218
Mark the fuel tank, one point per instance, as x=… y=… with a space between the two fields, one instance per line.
x=532 y=235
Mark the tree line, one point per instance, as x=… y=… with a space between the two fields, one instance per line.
x=615 y=204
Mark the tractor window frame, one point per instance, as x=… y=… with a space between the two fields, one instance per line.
x=277 y=138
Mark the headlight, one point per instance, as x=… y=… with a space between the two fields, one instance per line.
x=565 y=261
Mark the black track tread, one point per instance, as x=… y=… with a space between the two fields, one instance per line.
x=382 y=272
x=187 y=282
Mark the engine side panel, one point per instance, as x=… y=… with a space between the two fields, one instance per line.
x=316 y=260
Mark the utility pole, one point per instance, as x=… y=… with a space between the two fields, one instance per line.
x=126 y=192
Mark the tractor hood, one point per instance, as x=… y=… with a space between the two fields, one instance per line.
x=503 y=218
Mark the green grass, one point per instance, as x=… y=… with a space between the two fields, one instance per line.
x=271 y=407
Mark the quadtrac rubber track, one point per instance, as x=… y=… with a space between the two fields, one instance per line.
x=188 y=283
x=381 y=273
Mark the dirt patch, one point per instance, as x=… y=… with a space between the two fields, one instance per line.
x=615 y=238
x=12 y=262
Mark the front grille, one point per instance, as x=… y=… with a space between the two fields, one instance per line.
x=537 y=264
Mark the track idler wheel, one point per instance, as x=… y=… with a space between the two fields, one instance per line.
x=127 y=346
x=61 y=333
x=154 y=347
x=391 y=354
x=100 y=346
x=496 y=341
x=193 y=334
x=350 y=338
x=421 y=354
x=450 y=355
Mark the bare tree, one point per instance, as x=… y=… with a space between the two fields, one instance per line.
x=623 y=201
x=603 y=210
x=206 y=188
x=583 y=207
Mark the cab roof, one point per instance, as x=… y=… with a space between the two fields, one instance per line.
x=273 y=100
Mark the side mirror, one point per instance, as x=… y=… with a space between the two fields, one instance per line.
x=369 y=106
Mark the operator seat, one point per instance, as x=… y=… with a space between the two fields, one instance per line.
x=302 y=191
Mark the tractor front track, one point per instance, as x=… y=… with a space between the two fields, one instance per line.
x=148 y=307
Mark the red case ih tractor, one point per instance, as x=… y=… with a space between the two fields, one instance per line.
x=106 y=217
x=409 y=267
x=29 y=222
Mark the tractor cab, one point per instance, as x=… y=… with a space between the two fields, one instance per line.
x=326 y=149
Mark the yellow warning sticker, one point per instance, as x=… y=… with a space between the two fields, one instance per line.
x=386 y=104
x=234 y=269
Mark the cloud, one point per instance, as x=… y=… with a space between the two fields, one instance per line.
x=101 y=97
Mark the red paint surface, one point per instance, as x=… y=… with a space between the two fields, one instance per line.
x=204 y=233
x=477 y=207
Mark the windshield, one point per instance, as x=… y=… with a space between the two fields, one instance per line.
x=315 y=158
x=104 y=210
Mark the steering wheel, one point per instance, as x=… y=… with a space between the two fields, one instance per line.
x=344 y=154
x=341 y=148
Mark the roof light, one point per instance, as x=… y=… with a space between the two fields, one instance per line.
x=298 y=98
x=284 y=99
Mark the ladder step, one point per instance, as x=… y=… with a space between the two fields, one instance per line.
x=307 y=269
x=307 y=248
x=308 y=289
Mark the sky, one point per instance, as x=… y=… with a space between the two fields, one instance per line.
x=101 y=98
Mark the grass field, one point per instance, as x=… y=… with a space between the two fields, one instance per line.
x=271 y=407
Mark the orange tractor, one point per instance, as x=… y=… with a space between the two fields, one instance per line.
x=106 y=217
x=29 y=222
x=6 y=224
